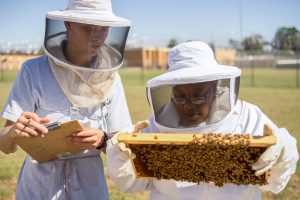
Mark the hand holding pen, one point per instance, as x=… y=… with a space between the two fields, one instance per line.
x=29 y=125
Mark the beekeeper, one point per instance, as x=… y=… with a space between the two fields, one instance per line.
x=76 y=79
x=198 y=95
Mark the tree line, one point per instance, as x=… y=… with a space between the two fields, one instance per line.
x=285 y=39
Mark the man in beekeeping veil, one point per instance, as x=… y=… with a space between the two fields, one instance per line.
x=76 y=79
x=198 y=95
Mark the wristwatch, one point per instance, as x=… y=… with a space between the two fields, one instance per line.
x=104 y=141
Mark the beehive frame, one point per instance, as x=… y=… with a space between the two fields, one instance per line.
x=134 y=140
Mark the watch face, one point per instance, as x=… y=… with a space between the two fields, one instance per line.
x=105 y=137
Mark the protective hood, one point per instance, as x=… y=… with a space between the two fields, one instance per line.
x=85 y=44
x=196 y=94
x=95 y=12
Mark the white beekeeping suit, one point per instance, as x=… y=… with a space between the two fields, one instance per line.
x=193 y=63
x=89 y=90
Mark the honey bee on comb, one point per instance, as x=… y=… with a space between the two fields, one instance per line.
x=218 y=158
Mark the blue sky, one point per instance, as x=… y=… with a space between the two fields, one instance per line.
x=155 y=22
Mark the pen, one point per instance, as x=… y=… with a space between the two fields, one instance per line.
x=53 y=126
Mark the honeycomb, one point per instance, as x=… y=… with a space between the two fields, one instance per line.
x=207 y=158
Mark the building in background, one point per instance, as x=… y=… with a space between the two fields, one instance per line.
x=14 y=61
x=225 y=56
x=156 y=58
x=148 y=58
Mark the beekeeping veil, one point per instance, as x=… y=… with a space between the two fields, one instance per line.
x=89 y=30
x=193 y=63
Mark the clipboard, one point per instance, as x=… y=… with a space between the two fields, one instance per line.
x=53 y=145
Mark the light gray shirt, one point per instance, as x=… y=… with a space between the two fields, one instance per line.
x=77 y=176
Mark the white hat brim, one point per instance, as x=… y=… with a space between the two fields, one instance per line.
x=194 y=75
x=88 y=17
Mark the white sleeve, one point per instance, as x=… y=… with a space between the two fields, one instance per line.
x=21 y=98
x=118 y=115
x=281 y=172
x=121 y=172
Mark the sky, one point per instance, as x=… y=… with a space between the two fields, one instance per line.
x=155 y=22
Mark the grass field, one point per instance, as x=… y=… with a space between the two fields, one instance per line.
x=275 y=93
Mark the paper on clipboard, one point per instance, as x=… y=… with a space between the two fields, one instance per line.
x=53 y=145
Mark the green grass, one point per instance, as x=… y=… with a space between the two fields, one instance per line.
x=269 y=78
x=275 y=93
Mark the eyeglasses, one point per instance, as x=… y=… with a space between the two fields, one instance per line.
x=194 y=100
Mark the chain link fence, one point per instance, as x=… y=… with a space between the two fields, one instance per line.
x=276 y=69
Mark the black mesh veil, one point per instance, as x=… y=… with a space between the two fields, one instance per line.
x=98 y=47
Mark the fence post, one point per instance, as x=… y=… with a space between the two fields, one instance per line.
x=1 y=70
x=252 y=70
x=142 y=75
x=297 y=71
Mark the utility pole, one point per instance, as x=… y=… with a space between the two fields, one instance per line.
x=241 y=21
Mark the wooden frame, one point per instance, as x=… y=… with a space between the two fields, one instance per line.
x=184 y=138
x=134 y=139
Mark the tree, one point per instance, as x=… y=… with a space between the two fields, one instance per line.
x=172 y=43
x=233 y=44
x=253 y=43
x=286 y=38
x=212 y=46
x=41 y=51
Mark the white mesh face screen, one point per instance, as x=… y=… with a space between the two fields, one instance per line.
x=95 y=47
x=191 y=105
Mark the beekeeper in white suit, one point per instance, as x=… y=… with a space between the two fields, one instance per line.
x=76 y=79
x=198 y=95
